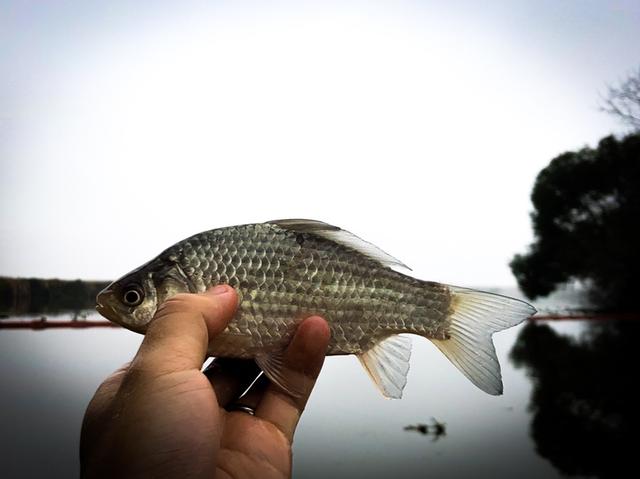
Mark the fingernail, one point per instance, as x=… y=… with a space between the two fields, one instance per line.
x=220 y=289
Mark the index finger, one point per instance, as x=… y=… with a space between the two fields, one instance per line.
x=303 y=361
x=99 y=409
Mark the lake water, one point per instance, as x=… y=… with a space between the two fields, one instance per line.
x=349 y=429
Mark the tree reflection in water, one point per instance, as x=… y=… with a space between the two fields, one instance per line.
x=584 y=400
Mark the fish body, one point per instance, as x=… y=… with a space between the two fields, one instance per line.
x=287 y=270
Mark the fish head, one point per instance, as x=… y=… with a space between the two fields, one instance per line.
x=133 y=300
x=130 y=301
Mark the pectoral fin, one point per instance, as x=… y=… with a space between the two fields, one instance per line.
x=388 y=364
x=273 y=366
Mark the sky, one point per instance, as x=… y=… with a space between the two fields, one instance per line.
x=419 y=126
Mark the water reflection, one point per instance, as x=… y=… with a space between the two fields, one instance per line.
x=436 y=429
x=584 y=405
x=348 y=429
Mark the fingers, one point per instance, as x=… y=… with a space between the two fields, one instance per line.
x=231 y=377
x=177 y=337
x=98 y=410
x=302 y=362
x=106 y=391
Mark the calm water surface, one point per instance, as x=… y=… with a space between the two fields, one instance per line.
x=349 y=429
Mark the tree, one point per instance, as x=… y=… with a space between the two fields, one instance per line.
x=586 y=222
x=623 y=101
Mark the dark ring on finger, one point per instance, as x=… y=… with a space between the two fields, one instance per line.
x=241 y=408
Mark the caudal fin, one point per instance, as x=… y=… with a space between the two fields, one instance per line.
x=476 y=316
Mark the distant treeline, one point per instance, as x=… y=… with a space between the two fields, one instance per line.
x=34 y=295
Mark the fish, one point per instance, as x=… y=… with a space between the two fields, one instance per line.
x=287 y=270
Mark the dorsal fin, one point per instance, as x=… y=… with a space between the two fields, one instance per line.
x=340 y=236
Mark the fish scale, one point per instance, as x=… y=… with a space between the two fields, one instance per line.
x=287 y=270
x=291 y=282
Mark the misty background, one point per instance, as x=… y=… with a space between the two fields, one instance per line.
x=419 y=126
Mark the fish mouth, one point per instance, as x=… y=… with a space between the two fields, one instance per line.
x=101 y=308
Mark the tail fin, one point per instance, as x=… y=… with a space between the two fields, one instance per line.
x=476 y=316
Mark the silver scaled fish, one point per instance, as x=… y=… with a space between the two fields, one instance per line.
x=287 y=270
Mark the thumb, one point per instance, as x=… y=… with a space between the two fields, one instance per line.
x=178 y=335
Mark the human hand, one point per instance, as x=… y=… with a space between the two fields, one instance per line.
x=160 y=416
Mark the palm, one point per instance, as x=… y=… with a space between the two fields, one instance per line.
x=264 y=452
x=250 y=446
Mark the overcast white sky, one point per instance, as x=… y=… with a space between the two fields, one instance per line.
x=419 y=126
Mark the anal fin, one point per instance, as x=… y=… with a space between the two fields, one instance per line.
x=388 y=364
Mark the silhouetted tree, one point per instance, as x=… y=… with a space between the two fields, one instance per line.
x=584 y=400
x=587 y=224
x=623 y=100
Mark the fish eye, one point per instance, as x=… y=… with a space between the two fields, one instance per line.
x=132 y=296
